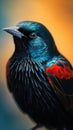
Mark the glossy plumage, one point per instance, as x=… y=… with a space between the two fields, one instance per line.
x=40 y=78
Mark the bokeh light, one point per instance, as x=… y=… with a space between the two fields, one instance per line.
x=57 y=16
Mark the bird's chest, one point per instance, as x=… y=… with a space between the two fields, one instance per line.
x=25 y=79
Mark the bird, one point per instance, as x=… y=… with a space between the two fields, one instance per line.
x=39 y=77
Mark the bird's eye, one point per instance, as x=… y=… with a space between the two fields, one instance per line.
x=33 y=35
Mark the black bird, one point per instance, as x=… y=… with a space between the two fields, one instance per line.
x=39 y=77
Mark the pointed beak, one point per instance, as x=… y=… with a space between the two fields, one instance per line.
x=14 y=31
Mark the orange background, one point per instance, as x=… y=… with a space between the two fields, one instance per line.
x=56 y=15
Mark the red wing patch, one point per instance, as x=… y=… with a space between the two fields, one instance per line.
x=60 y=72
x=7 y=68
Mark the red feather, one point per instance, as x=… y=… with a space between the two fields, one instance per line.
x=60 y=72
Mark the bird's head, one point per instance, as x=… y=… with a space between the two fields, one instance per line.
x=33 y=39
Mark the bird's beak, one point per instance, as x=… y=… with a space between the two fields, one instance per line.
x=14 y=31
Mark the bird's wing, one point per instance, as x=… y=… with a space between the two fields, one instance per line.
x=37 y=90
x=60 y=76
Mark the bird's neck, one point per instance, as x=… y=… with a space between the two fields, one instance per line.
x=40 y=55
x=43 y=55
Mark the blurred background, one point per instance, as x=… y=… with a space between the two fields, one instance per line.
x=57 y=16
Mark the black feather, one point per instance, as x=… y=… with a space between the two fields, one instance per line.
x=44 y=101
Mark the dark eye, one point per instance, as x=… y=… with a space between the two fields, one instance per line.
x=33 y=35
